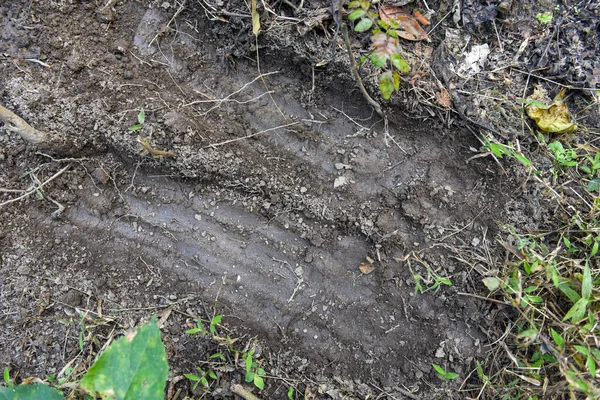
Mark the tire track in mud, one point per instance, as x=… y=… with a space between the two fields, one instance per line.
x=260 y=223
x=275 y=280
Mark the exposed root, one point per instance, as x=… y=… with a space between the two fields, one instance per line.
x=241 y=391
x=16 y=124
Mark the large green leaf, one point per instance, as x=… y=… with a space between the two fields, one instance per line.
x=35 y=391
x=133 y=367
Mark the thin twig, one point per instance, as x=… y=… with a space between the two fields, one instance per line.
x=359 y=82
x=249 y=136
x=34 y=189
x=166 y=27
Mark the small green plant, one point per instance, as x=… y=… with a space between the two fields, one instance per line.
x=433 y=281
x=290 y=393
x=385 y=51
x=564 y=157
x=141 y=119
x=212 y=327
x=202 y=378
x=254 y=373
x=446 y=376
x=6 y=376
x=500 y=150
x=545 y=17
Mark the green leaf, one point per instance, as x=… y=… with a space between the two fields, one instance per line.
x=451 y=375
x=544 y=18
x=195 y=330
x=212 y=374
x=249 y=361
x=133 y=367
x=439 y=369
x=396 y=81
x=249 y=376
x=577 y=312
x=399 y=63
x=534 y=299
x=142 y=116
x=6 y=374
x=259 y=382
x=353 y=4
x=386 y=84
x=586 y=283
x=384 y=25
x=364 y=25
x=594 y=249
x=535 y=103
x=522 y=159
x=491 y=283
x=575 y=381
x=594 y=185
x=583 y=350
x=527 y=336
x=35 y=391
x=356 y=14
x=557 y=338
x=563 y=285
x=445 y=281
x=379 y=59
x=484 y=378
x=290 y=393
x=591 y=365
x=135 y=127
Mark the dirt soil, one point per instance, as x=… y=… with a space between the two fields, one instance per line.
x=277 y=192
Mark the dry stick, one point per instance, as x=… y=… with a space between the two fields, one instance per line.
x=249 y=136
x=241 y=391
x=369 y=99
x=32 y=190
x=262 y=76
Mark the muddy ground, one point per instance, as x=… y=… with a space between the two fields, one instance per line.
x=277 y=192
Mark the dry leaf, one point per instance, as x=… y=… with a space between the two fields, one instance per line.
x=443 y=99
x=411 y=28
x=421 y=18
x=366 y=267
x=255 y=18
x=554 y=118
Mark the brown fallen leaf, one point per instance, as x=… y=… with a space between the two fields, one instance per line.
x=366 y=267
x=443 y=99
x=421 y=18
x=392 y=15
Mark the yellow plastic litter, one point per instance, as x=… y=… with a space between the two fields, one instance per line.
x=553 y=118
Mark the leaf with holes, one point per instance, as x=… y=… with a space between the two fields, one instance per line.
x=133 y=367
